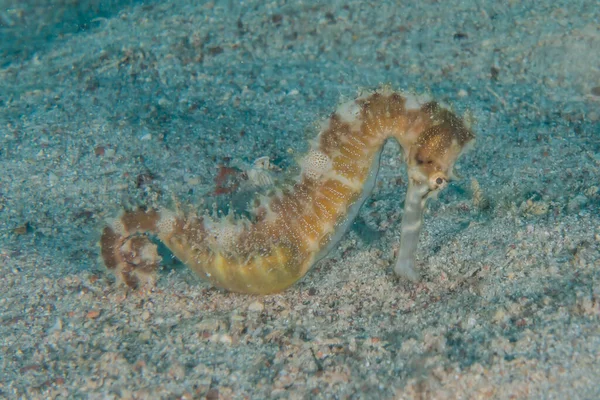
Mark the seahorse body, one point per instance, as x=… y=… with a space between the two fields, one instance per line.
x=296 y=226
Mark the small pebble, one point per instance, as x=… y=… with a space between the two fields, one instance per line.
x=225 y=339
x=52 y=179
x=57 y=327
x=576 y=203
x=256 y=306
x=145 y=336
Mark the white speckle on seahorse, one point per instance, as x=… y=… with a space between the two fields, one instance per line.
x=315 y=164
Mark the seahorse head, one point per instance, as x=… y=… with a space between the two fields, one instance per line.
x=432 y=157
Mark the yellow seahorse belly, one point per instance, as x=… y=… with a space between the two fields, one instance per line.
x=297 y=225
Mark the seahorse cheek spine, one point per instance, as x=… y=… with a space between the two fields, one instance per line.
x=293 y=227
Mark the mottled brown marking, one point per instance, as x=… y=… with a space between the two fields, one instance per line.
x=140 y=220
x=430 y=108
x=135 y=251
x=375 y=105
x=108 y=243
x=330 y=139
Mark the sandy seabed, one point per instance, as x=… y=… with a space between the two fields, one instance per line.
x=110 y=106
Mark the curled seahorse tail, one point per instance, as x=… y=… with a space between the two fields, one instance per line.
x=127 y=251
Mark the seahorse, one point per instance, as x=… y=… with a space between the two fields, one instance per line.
x=295 y=226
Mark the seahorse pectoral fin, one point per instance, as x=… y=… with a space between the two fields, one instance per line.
x=412 y=221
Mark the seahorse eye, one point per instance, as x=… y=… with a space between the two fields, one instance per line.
x=438 y=181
